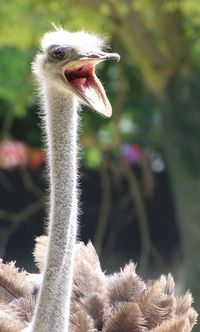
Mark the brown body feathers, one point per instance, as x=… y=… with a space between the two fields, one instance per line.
x=121 y=302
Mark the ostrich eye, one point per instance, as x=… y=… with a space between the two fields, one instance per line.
x=58 y=53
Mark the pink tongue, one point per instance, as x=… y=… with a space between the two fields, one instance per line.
x=79 y=81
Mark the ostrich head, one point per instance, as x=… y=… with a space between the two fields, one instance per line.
x=68 y=60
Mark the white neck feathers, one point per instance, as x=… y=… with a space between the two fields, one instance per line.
x=53 y=305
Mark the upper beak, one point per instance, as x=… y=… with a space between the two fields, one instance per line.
x=99 y=56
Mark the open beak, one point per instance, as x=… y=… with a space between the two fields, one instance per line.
x=80 y=75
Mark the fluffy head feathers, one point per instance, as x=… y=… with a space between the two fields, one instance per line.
x=75 y=39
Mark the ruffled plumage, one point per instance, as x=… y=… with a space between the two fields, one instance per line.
x=109 y=303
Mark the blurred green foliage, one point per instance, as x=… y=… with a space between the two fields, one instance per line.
x=15 y=82
x=136 y=117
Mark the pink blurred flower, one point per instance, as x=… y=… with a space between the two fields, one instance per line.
x=12 y=153
x=15 y=153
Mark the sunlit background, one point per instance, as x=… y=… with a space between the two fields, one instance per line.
x=140 y=178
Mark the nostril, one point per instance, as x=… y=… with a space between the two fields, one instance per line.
x=96 y=56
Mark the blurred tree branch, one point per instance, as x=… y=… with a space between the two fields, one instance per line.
x=135 y=193
x=7 y=124
x=15 y=219
x=29 y=184
x=170 y=27
x=104 y=207
x=5 y=182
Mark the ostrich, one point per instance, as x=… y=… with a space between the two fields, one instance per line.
x=65 y=70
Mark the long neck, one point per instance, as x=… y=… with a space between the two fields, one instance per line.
x=52 y=310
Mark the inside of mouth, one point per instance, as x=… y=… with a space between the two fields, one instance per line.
x=80 y=77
